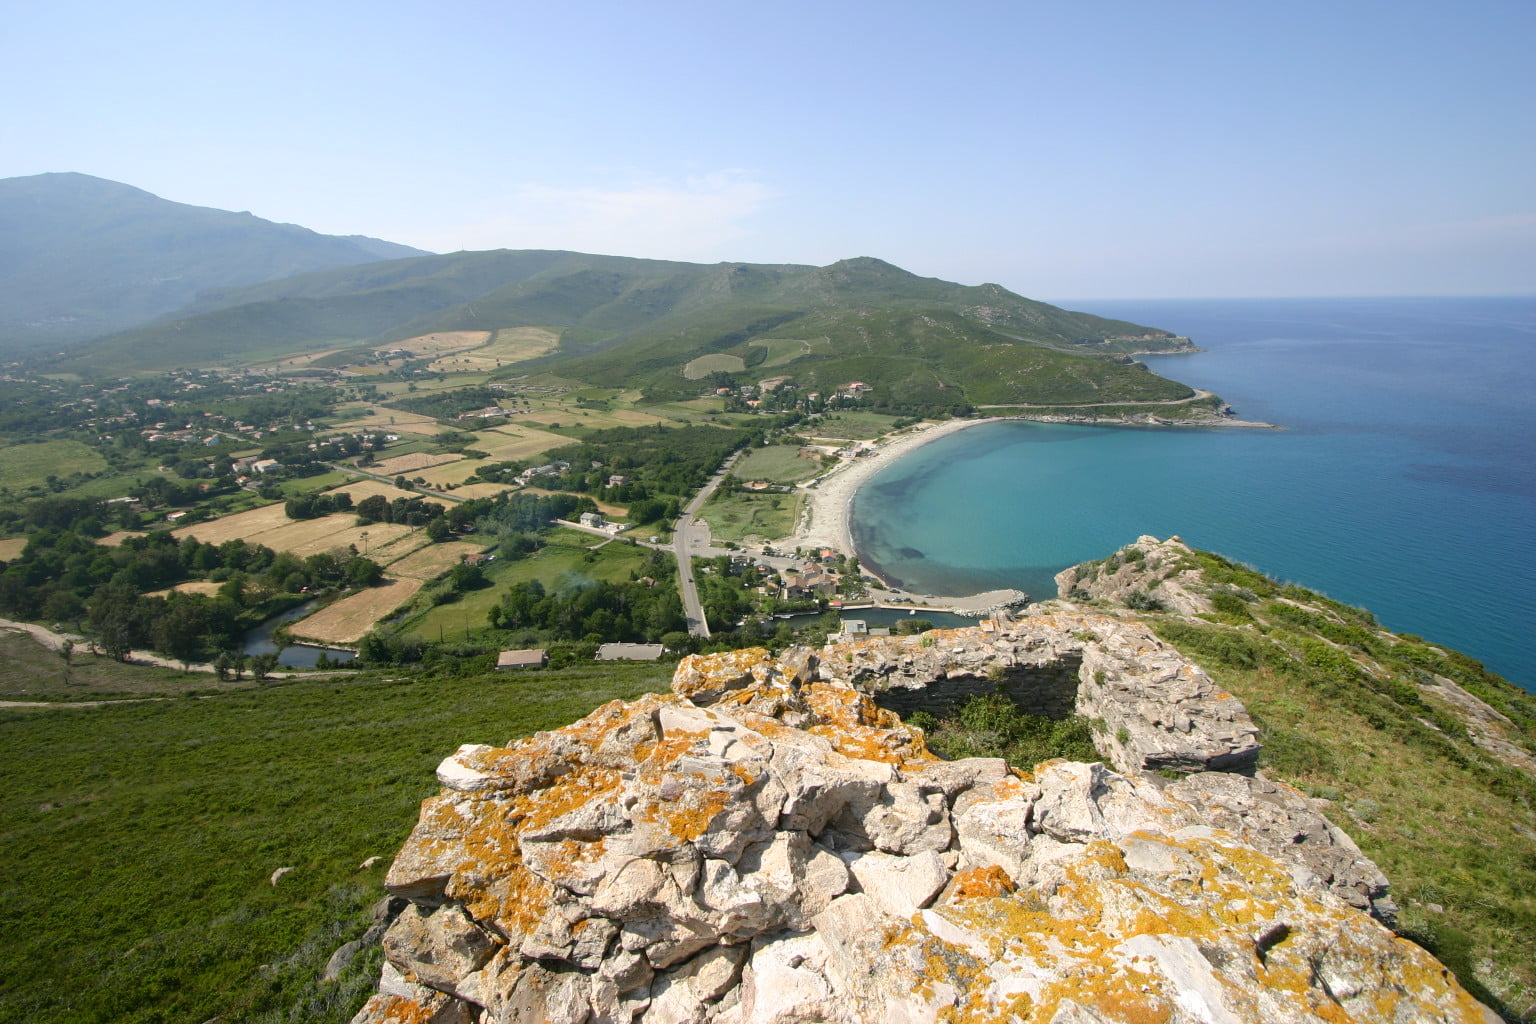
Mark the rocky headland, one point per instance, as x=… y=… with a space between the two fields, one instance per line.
x=770 y=843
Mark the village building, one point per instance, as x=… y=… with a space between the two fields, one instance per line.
x=630 y=652
x=531 y=658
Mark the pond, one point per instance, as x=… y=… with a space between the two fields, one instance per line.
x=259 y=641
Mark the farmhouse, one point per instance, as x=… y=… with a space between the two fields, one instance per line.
x=531 y=658
x=629 y=652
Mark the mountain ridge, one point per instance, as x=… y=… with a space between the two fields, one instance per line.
x=82 y=256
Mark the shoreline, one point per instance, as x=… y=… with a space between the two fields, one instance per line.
x=826 y=520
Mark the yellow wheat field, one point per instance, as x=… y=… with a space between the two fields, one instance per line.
x=413 y=462
x=347 y=620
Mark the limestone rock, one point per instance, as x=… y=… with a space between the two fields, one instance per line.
x=1159 y=570
x=1155 y=709
x=784 y=850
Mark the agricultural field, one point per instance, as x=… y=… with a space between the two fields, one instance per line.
x=31 y=672
x=715 y=362
x=11 y=547
x=481 y=490
x=347 y=620
x=269 y=526
x=850 y=425
x=779 y=464
x=609 y=510
x=112 y=540
x=512 y=443
x=693 y=410
x=433 y=560
x=787 y=350
x=305 y=484
x=30 y=465
x=376 y=418
x=208 y=588
x=569 y=559
x=451 y=474
x=751 y=519
x=559 y=415
x=413 y=462
x=365 y=487
x=510 y=345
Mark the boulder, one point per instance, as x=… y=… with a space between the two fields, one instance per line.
x=788 y=851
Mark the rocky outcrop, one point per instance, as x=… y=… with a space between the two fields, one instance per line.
x=1154 y=709
x=765 y=846
x=1149 y=574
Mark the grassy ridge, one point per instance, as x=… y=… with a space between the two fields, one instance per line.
x=139 y=839
x=628 y=323
x=1358 y=717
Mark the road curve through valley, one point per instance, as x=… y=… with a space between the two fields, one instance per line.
x=692 y=535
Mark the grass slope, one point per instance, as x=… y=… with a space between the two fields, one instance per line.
x=1359 y=717
x=140 y=839
x=626 y=323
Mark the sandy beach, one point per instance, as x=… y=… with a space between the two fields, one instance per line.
x=824 y=522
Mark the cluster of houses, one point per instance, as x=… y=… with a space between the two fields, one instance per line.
x=486 y=413
x=548 y=469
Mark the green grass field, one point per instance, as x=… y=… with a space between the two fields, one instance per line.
x=738 y=517
x=140 y=839
x=567 y=560
x=27 y=465
x=715 y=362
x=787 y=350
x=31 y=672
x=850 y=425
x=780 y=464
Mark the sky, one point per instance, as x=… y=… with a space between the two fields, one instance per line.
x=1066 y=150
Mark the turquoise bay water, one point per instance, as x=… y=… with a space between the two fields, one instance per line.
x=1405 y=481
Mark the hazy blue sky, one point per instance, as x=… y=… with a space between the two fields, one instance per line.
x=1064 y=149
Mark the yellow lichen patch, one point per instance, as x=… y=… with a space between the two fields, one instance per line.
x=689 y=817
x=504 y=892
x=859 y=728
x=580 y=786
x=658 y=755
x=981 y=882
x=709 y=674
x=613 y=716
x=391 y=1009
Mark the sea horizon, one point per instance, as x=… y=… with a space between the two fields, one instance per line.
x=1404 y=480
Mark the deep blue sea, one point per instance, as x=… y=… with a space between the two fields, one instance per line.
x=1404 y=482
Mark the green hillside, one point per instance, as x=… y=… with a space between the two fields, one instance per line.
x=626 y=323
x=142 y=837
x=80 y=256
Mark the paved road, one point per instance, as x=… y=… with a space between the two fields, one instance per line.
x=693 y=536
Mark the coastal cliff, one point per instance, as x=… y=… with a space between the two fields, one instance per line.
x=768 y=843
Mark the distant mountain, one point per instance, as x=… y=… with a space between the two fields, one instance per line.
x=649 y=323
x=81 y=256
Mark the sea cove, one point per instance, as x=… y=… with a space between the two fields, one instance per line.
x=1405 y=480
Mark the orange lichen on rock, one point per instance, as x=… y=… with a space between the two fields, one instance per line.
x=979 y=882
x=858 y=727
x=782 y=848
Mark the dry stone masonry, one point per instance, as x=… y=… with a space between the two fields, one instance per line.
x=767 y=845
x=1153 y=709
